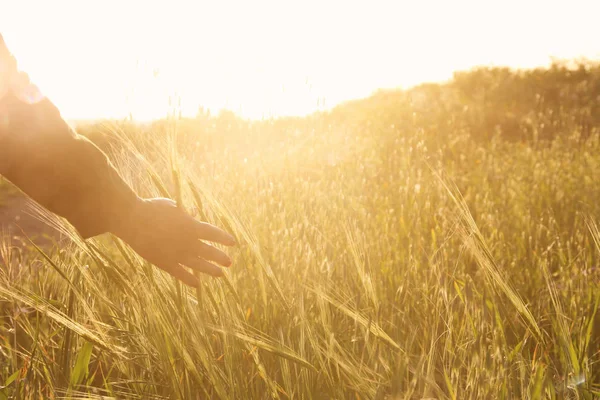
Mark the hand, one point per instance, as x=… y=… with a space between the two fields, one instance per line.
x=15 y=81
x=169 y=238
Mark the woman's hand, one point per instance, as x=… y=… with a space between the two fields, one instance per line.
x=169 y=238
x=71 y=177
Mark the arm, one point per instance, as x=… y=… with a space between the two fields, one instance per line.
x=62 y=171
x=71 y=177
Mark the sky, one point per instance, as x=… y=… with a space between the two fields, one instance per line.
x=265 y=58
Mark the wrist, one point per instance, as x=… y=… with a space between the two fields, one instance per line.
x=125 y=222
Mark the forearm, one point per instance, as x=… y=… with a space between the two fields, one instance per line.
x=62 y=171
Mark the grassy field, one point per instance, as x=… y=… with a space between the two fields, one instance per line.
x=441 y=242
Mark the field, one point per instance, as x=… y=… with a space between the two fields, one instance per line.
x=440 y=242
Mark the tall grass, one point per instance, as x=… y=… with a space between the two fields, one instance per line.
x=374 y=262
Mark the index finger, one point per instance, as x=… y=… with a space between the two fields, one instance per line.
x=211 y=233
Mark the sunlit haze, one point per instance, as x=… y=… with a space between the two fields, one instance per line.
x=110 y=59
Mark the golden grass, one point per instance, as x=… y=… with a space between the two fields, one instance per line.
x=376 y=261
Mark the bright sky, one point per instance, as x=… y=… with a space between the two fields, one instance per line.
x=274 y=57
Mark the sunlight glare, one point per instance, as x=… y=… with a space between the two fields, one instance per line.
x=267 y=58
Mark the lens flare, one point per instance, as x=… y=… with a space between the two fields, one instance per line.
x=29 y=94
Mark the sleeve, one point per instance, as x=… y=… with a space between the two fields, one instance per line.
x=61 y=170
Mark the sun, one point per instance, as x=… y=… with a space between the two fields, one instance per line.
x=264 y=59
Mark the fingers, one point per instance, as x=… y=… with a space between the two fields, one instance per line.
x=211 y=233
x=3 y=49
x=8 y=66
x=200 y=265
x=213 y=254
x=184 y=276
x=197 y=264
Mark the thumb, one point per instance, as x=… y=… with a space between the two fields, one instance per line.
x=13 y=80
x=8 y=64
x=8 y=67
x=3 y=48
x=4 y=67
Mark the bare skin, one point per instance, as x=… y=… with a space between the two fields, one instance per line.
x=70 y=176
x=169 y=238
